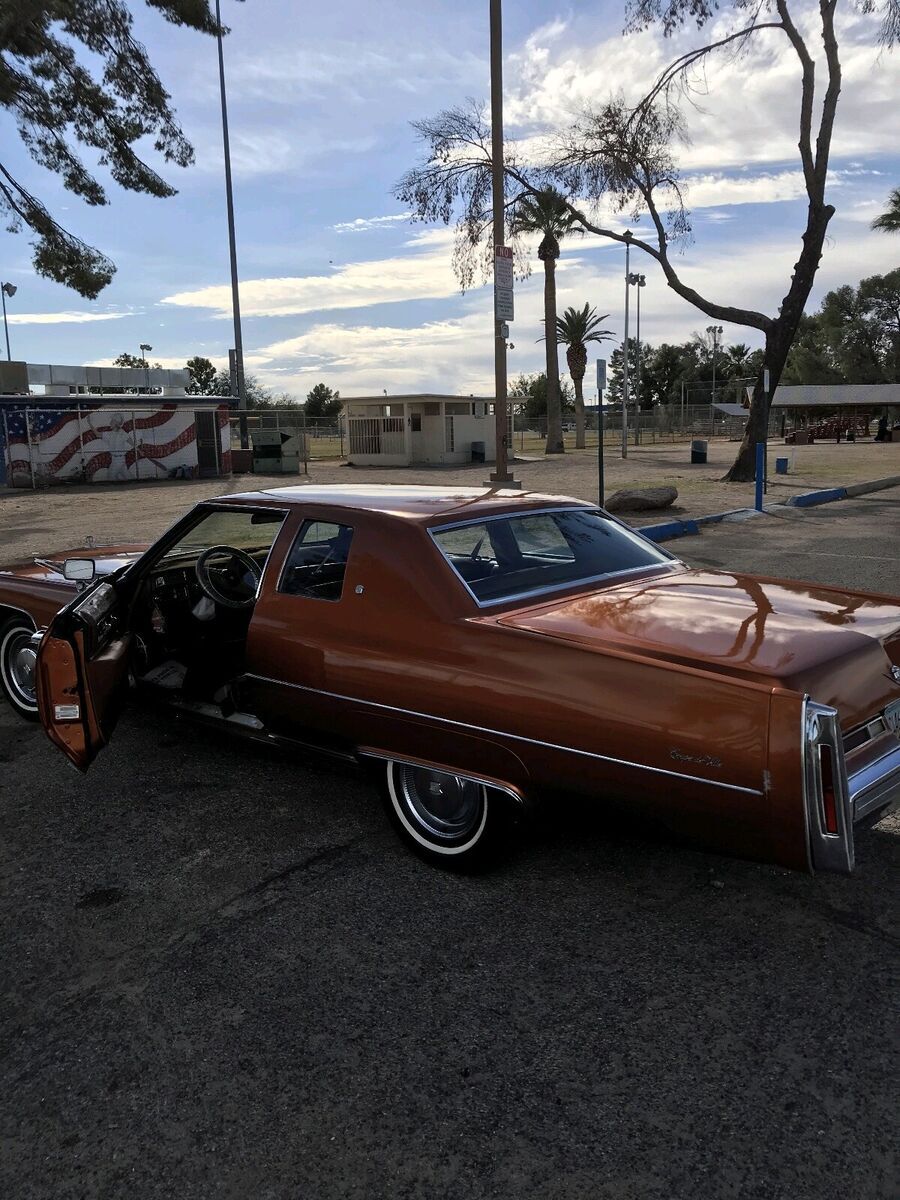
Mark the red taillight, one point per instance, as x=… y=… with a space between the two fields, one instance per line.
x=829 y=803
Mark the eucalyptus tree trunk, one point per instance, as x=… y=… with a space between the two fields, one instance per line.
x=554 y=407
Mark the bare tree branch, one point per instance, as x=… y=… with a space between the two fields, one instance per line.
x=829 y=107
x=807 y=95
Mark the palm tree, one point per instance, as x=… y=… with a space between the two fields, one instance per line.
x=547 y=213
x=575 y=328
x=889 y=221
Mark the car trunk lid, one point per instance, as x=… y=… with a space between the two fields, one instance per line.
x=836 y=646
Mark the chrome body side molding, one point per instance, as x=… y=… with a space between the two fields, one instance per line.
x=516 y=737
x=484 y=780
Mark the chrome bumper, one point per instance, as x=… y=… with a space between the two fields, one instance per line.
x=842 y=788
x=873 y=776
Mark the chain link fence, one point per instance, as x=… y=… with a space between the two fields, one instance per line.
x=669 y=423
x=318 y=438
x=322 y=439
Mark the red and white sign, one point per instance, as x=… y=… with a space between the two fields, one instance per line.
x=503 y=283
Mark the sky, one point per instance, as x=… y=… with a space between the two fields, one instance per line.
x=338 y=286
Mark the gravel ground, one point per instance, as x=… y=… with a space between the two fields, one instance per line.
x=222 y=976
x=59 y=518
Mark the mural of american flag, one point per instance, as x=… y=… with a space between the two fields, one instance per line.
x=103 y=444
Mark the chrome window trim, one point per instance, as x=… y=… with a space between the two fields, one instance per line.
x=411 y=712
x=553 y=588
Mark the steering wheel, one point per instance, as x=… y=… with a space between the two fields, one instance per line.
x=228 y=576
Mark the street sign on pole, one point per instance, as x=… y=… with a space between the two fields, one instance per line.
x=601 y=374
x=503 y=283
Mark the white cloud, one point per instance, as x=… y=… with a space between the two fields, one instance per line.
x=440 y=356
x=363 y=224
x=747 y=108
x=422 y=276
x=63 y=318
x=455 y=355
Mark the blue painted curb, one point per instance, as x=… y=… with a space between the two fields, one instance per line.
x=669 y=530
x=809 y=499
x=675 y=529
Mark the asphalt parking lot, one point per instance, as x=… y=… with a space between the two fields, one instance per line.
x=222 y=976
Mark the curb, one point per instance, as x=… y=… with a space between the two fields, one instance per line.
x=668 y=530
x=877 y=485
x=810 y=499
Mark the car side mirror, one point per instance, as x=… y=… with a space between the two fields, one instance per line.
x=80 y=570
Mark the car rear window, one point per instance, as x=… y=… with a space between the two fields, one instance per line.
x=505 y=557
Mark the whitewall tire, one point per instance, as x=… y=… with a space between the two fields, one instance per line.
x=17 y=667
x=447 y=819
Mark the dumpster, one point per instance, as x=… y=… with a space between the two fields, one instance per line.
x=698 y=450
x=275 y=452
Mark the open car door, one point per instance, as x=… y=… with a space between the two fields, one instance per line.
x=82 y=673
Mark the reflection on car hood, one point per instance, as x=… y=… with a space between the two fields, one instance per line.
x=837 y=646
x=49 y=569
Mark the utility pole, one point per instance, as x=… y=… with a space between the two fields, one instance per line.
x=232 y=247
x=628 y=237
x=501 y=476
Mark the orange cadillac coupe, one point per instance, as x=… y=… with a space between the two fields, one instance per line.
x=478 y=647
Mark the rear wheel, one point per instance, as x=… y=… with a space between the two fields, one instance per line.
x=447 y=819
x=18 y=659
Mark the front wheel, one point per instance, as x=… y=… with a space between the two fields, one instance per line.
x=450 y=821
x=18 y=659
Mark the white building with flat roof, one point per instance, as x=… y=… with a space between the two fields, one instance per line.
x=419 y=430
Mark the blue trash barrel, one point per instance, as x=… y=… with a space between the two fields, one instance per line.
x=698 y=450
x=781 y=466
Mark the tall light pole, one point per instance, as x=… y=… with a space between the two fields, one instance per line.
x=501 y=473
x=7 y=289
x=715 y=332
x=637 y=281
x=232 y=247
x=628 y=237
x=145 y=349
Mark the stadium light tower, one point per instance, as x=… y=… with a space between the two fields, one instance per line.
x=232 y=248
x=715 y=332
x=7 y=289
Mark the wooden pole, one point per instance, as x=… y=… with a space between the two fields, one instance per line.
x=501 y=476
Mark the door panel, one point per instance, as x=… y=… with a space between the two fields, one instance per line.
x=82 y=675
x=206 y=423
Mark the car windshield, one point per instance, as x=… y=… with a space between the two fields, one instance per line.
x=505 y=557
x=246 y=529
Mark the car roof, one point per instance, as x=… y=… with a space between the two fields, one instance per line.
x=421 y=502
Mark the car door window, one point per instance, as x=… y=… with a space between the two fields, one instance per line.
x=317 y=561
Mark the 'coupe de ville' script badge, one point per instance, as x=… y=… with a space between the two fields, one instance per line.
x=699 y=760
